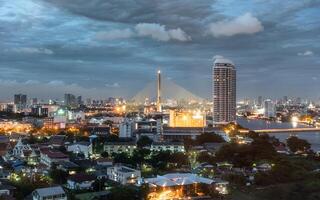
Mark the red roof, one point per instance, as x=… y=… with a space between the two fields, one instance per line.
x=53 y=153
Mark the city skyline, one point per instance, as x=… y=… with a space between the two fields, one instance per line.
x=62 y=47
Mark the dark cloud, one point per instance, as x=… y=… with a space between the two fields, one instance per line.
x=116 y=46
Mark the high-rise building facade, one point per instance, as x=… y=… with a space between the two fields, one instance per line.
x=20 y=99
x=269 y=108
x=224 y=91
x=70 y=100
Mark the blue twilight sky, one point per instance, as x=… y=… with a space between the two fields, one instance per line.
x=104 y=48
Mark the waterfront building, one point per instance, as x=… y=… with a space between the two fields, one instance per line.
x=269 y=108
x=224 y=91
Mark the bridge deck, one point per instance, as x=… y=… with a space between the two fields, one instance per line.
x=283 y=130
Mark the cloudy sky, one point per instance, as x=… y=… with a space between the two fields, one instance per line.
x=105 y=48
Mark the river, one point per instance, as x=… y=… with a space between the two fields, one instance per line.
x=312 y=137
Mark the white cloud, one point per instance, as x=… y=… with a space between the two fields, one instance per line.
x=114 y=34
x=31 y=82
x=56 y=83
x=31 y=50
x=217 y=57
x=113 y=85
x=244 y=24
x=159 y=32
x=306 y=53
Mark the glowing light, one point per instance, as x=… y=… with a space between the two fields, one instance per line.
x=294 y=121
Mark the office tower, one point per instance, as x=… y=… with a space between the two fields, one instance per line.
x=285 y=99
x=79 y=100
x=34 y=101
x=159 y=107
x=269 y=108
x=259 y=100
x=20 y=99
x=224 y=91
x=70 y=100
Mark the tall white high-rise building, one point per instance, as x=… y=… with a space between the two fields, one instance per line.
x=269 y=108
x=224 y=91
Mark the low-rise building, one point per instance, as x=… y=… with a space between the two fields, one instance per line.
x=84 y=148
x=119 y=147
x=80 y=182
x=52 y=193
x=123 y=174
x=168 y=146
x=50 y=156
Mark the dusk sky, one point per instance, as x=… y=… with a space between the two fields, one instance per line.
x=102 y=48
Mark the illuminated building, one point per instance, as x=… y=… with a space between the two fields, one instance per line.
x=123 y=174
x=183 y=186
x=126 y=129
x=224 y=91
x=120 y=147
x=54 y=193
x=269 y=108
x=187 y=119
x=20 y=101
x=168 y=146
x=70 y=100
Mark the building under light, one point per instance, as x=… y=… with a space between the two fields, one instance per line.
x=224 y=91
x=269 y=108
x=187 y=119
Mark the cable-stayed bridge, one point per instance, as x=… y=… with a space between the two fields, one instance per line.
x=169 y=90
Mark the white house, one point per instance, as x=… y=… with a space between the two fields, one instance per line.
x=80 y=182
x=119 y=147
x=81 y=147
x=52 y=193
x=168 y=146
x=123 y=174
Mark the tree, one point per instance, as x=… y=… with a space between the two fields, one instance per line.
x=104 y=154
x=58 y=176
x=179 y=159
x=296 y=144
x=209 y=137
x=121 y=158
x=125 y=192
x=144 y=141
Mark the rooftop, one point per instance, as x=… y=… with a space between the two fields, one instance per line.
x=43 y=192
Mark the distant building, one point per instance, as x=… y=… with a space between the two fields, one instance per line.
x=269 y=108
x=123 y=174
x=70 y=100
x=224 y=91
x=168 y=146
x=187 y=119
x=20 y=101
x=259 y=101
x=119 y=147
x=39 y=111
x=50 y=156
x=126 y=129
x=52 y=193
x=84 y=148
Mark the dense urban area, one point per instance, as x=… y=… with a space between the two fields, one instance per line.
x=159 y=149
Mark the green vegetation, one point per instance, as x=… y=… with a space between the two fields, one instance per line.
x=296 y=144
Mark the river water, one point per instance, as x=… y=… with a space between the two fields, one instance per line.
x=312 y=137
